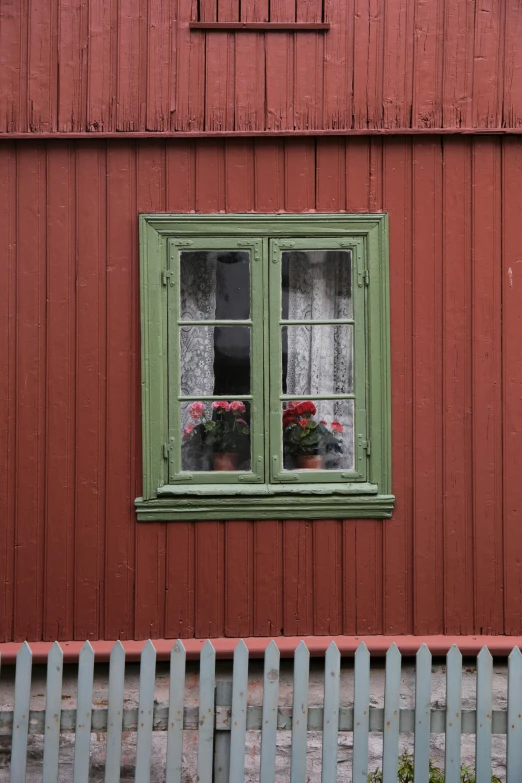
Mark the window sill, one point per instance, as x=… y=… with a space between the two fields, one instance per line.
x=264 y=502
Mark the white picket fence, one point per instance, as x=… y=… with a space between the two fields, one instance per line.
x=224 y=716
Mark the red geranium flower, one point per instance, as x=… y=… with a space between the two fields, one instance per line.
x=237 y=406
x=187 y=431
x=337 y=426
x=303 y=423
x=306 y=408
x=323 y=422
x=221 y=405
x=243 y=422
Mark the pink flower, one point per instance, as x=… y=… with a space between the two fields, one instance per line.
x=187 y=431
x=197 y=409
x=237 y=407
x=337 y=426
x=243 y=422
x=303 y=423
x=221 y=405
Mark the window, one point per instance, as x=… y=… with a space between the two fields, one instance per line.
x=265 y=367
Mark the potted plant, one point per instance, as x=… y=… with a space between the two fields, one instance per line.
x=305 y=440
x=225 y=433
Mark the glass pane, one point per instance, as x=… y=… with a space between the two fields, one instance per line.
x=214 y=285
x=216 y=435
x=214 y=360
x=318 y=435
x=317 y=284
x=317 y=359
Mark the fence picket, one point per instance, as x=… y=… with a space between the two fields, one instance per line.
x=178 y=658
x=361 y=714
x=300 y=713
x=392 y=703
x=207 y=678
x=514 y=721
x=453 y=715
x=332 y=687
x=484 y=716
x=53 y=711
x=239 y=713
x=422 y=715
x=22 y=701
x=83 y=714
x=270 y=700
x=145 y=713
x=115 y=713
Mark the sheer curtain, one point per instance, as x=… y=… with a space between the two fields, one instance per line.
x=320 y=359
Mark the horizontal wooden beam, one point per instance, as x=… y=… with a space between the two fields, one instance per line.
x=377 y=645
x=252 y=134
x=274 y=27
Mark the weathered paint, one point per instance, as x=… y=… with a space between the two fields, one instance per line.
x=135 y=65
x=75 y=564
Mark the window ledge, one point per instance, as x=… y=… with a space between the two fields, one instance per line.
x=311 y=505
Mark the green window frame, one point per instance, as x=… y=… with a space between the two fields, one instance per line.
x=266 y=490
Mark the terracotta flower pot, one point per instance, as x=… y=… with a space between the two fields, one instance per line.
x=225 y=460
x=310 y=461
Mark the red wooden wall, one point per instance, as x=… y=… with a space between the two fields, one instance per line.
x=134 y=65
x=74 y=563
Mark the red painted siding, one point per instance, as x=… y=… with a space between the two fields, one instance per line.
x=134 y=65
x=74 y=562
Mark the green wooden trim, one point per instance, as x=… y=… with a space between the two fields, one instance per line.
x=241 y=507
x=367 y=233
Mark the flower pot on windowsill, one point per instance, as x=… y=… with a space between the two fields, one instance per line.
x=310 y=461
x=225 y=460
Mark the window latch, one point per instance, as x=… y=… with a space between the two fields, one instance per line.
x=365 y=444
x=363 y=278
x=167 y=276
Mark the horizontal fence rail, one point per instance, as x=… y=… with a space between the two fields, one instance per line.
x=223 y=716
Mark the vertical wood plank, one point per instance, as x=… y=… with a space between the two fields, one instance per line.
x=349 y=576
x=101 y=75
x=269 y=167
x=190 y=70
x=210 y=177
x=297 y=578
x=180 y=175
x=8 y=228
x=60 y=394
x=457 y=389
x=145 y=712
x=488 y=64
x=72 y=67
x=180 y=580
x=484 y=716
x=22 y=700
x=239 y=714
x=13 y=84
x=369 y=576
x=398 y=565
x=514 y=720
x=512 y=96
x=398 y=24
x=300 y=173
x=422 y=714
x=239 y=176
x=308 y=70
x=357 y=174
x=83 y=715
x=209 y=582
x=279 y=49
x=457 y=77
x=368 y=65
x=41 y=75
x=220 y=78
x=300 y=713
x=159 y=71
x=452 y=748
x=427 y=65
x=91 y=263
x=131 y=101
x=115 y=713
x=338 y=65
x=332 y=688
x=239 y=579
x=361 y=714
x=392 y=703
x=268 y=578
x=330 y=168
x=512 y=382
x=327 y=576
x=250 y=67
x=178 y=659
x=207 y=678
x=53 y=711
x=270 y=702
x=149 y=607
x=30 y=392
x=427 y=390
x=486 y=391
